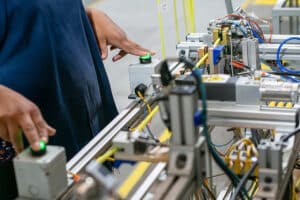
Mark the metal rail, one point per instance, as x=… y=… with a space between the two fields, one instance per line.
x=103 y=139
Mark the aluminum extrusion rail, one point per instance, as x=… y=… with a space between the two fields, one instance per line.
x=250 y=116
x=103 y=139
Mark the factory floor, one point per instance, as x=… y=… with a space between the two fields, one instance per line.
x=140 y=22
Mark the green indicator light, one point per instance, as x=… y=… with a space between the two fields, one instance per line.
x=42 y=146
x=41 y=151
x=145 y=59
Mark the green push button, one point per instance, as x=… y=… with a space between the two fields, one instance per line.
x=41 y=151
x=146 y=59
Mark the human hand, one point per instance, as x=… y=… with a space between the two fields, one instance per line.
x=16 y=114
x=110 y=34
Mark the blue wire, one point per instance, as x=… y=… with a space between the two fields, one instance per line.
x=278 y=60
x=237 y=24
x=294 y=79
x=240 y=27
x=255 y=34
x=260 y=40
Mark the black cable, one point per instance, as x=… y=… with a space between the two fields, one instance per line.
x=214 y=176
x=151 y=134
x=243 y=182
x=286 y=138
x=284 y=74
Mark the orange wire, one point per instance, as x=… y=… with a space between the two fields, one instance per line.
x=271 y=32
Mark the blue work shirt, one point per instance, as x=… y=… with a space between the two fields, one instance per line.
x=49 y=53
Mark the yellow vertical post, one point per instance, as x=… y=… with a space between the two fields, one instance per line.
x=186 y=26
x=193 y=15
x=189 y=15
x=161 y=29
x=176 y=21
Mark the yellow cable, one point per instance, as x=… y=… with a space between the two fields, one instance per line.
x=138 y=172
x=110 y=159
x=107 y=154
x=298 y=183
x=217 y=42
x=161 y=30
x=247 y=141
x=187 y=7
x=144 y=123
x=185 y=17
x=253 y=189
x=248 y=151
x=202 y=60
x=294 y=194
x=145 y=101
x=191 y=16
x=176 y=21
x=273 y=132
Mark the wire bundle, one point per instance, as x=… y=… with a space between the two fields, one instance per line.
x=255 y=28
x=233 y=177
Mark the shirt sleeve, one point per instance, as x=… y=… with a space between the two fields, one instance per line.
x=2 y=19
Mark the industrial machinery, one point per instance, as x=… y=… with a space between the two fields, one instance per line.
x=285 y=17
x=233 y=76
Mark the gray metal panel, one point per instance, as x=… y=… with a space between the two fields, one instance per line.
x=189 y=104
x=42 y=177
x=229 y=6
x=141 y=74
x=286 y=12
x=245 y=51
x=247 y=91
x=254 y=61
x=176 y=119
x=195 y=37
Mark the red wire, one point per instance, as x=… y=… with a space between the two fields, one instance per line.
x=271 y=32
x=234 y=15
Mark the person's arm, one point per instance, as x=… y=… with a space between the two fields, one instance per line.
x=18 y=113
x=110 y=34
